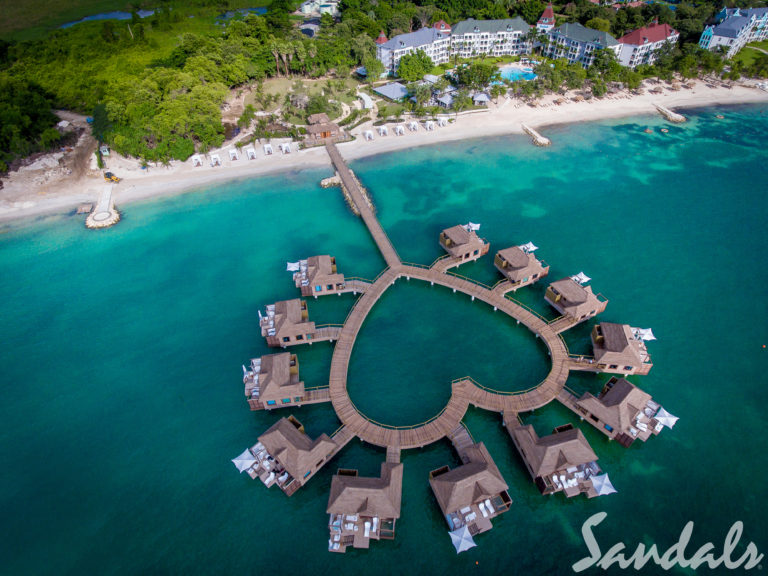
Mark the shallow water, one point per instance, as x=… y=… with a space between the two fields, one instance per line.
x=120 y=365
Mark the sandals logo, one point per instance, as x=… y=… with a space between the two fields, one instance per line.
x=674 y=556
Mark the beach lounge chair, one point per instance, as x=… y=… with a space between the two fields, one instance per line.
x=399 y=130
x=375 y=527
x=489 y=506
x=429 y=125
x=466 y=510
x=413 y=126
x=483 y=511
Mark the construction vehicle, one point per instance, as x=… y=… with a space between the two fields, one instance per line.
x=109 y=177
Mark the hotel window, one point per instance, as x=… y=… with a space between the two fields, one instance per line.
x=299 y=337
x=286 y=400
x=286 y=339
x=308 y=473
x=627 y=368
x=329 y=287
x=297 y=399
x=318 y=288
x=271 y=402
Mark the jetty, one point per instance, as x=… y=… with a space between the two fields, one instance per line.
x=104 y=214
x=669 y=115
x=361 y=509
x=537 y=138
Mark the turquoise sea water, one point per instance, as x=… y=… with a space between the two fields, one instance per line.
x=121 y=351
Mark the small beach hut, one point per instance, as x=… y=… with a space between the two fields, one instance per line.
x=429 y=125
x=368 y=135
x=442 y=122
x=233 y=155
x=250 y=153
x=413 y=126
x=383 y=131
x=215 y=160
x=268 y=150
x=104 y=149
x=285 y=148
x=196 y=160
x=399 y=130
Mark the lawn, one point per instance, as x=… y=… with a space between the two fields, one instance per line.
x=26 y=20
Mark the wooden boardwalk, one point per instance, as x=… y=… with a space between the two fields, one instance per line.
x=351 y=185
x=464 y=391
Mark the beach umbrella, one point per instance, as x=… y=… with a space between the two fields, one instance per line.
x=528 y=247
x=293 y=266
x=472 y=227
x=665 y=418
x=645 y=334
x=602 y=485
x=462 y=539
x=244 y=461
x=581 y=278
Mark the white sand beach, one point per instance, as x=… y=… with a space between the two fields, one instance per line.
x=42 y=189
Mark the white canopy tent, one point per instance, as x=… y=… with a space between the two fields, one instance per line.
x=429 y=125
x=293 y=266
x=250 y=153
x=581 y=278
x=196 y=160
x=268 y=150
x=602 y=485
x=666 y=419
x=215 y=160
x=528 y=247
x=643 y=334
x=472 y=227
x=413 y=126
x=442 y=122
x=233 y=155
x=245 y=460
x=285 y=148
x=462 y=539
x=399 y=130
x=368 y=135
x=383 y=131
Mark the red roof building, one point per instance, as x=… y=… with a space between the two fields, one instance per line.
x=382 y=38
x=442 y=26
x=640 y=46
x=547 y=20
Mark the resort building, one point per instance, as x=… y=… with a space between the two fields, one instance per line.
x=642 y=45
x=319 y=7
x=735 y=28
x=317 y=276
x=286 y=323
x=362 y=509
x=561 y=462
x=508 y=37
x=471 y=494
x=621 y=411
x=273 y=382
x=518 y=265
x=547 y=20
x=576 y=43
x=320 y=127
x=288 y=457
x=573 y=300
x=434 y=43
x=463 y=244
x=618 y=350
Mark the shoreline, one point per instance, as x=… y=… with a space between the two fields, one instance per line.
x=21 y=201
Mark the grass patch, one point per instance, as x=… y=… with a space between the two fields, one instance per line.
x=746 y=56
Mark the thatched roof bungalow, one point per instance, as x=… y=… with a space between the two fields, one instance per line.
x=273 y=382
x=618 y=351
x=520 y=267
x=286 y=323
x=318 y=276
x=463 y=244
x=573 y=300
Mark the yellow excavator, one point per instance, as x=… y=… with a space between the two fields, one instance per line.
x=109 y=177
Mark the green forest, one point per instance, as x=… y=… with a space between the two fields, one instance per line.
x=162 y=79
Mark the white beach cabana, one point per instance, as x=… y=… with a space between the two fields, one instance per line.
x=196 y=160
x=215 y=160
x=285 y=148
x=246 y=459
x=528 y=247
x=368 y=135
x=429 y=125
x=383 y=131
x=399 y=130
x=602 y=485
x=233 y=155
x=581 y=278
x=461 y=539
x=413 y=126
x=442 y=122
x=250 y=153
x=665 y=418
x=268 y=150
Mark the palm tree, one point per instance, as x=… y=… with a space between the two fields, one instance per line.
x=274 y=47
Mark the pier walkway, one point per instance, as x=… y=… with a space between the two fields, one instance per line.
x=352 y=186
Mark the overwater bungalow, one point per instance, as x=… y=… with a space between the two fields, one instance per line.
x=363 y=508
x=463 y=244
x=288 y=457
x=286 y=323
x=471 y=494
x=317 y=276
x=574 y=301
x=518 y=265
x=621 y=411
x=618 y=350
x=273 y=382
x=561 y=462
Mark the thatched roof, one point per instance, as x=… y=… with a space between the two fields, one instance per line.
x=296 y=451
x=288 y=312
x=553 y=453
x=321 y=118
x=470 y=483
x=314 y=129
x=573 y=293
x=618 y=406
x=515 y=257
x=368 y=496
x=617 y=339
x=321 y=266
x=458 y=235
x=275 y=378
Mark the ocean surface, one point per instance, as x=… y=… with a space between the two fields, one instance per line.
x=122 y=400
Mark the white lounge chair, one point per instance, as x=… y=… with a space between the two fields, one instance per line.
x=489 y=506
x=367 y=532
x=483 y=511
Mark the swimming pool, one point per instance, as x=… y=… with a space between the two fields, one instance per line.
x=516 y=73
